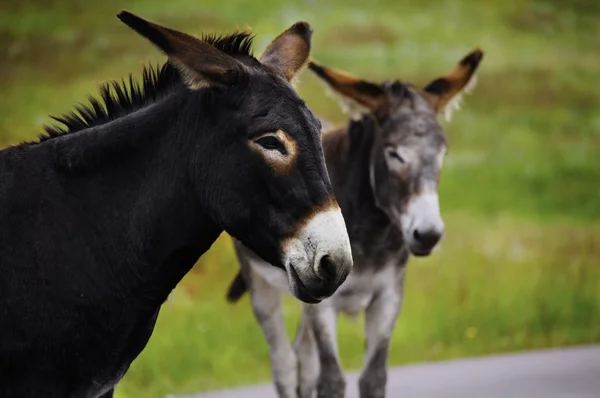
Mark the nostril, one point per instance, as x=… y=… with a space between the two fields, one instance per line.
x=427 y=238
x=326 y=268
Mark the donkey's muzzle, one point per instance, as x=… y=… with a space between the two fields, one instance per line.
x=326 y=280
x=422 y=225
x=318 y=258
x=426 y=239
x=332 y=273
x=326 y=269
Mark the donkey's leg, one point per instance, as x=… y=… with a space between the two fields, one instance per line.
x=305 y=347
x=380 y=319
x=267 y=306
x=331 y=383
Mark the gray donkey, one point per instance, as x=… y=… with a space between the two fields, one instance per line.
x=384 y=166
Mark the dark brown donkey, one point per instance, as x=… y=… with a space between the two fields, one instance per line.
x=100 y=219
x=384 y=168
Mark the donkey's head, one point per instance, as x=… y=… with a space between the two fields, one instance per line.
x=258 y=165
x=408 y=144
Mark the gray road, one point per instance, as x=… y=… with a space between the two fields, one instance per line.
x=564 y=373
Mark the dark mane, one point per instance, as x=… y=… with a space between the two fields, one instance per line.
x=118 y=99
x=237 y=44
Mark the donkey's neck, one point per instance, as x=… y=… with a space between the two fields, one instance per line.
x=132 y=175
x=128 y=138
x=348 y=155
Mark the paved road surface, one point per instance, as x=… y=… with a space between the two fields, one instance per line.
x=564 y=373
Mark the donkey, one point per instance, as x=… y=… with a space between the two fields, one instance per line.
x=100 y=219
x=384 y=167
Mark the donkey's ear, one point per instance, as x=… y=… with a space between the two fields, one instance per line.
x=201 y=64
x=363 y=96
x=288 y=53
x=446 y=92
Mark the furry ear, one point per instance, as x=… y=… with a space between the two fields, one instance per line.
x=358 y=96
x=201 y=64
x=288 y=53
x=445 y=93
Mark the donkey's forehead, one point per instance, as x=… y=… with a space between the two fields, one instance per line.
x=412 y=116
x=269 y=89
x=258 y=70
x=415 y=102
x=274 y=97
x=274 y=83
x=277 y=103
x=414 y=127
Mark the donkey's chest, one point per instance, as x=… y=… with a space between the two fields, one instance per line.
x=376 y=246
x=362 y=287
x=110 y=365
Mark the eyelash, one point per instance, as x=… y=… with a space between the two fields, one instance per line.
x=271 y=143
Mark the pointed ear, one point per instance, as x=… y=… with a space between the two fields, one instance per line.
x=288 y=53
x=201 y=64
x=446 y=92
x=363 y=96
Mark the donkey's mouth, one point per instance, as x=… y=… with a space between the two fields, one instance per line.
x=299 y=289
x=420 y=252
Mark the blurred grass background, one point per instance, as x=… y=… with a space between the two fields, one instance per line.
x=520 y=191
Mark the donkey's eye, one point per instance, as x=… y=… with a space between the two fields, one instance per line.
x=393 y=153
x=271 y=143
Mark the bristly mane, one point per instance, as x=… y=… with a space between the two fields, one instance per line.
x=118 y=99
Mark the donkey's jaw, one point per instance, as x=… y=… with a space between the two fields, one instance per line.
x=318 y=258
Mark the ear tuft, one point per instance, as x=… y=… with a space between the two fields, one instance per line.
x=349 y=107
x=357 y=96
x=455 y=102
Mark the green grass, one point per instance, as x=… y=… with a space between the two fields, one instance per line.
x=519 y=267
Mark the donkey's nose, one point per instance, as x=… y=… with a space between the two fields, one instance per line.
x=427 y=237
x=331 y=274
x=326 y=269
